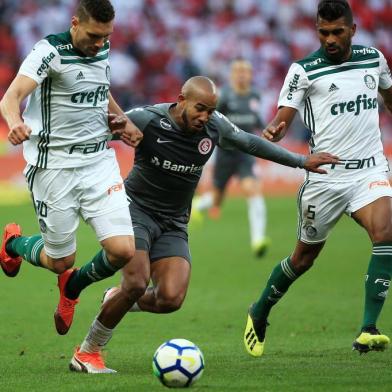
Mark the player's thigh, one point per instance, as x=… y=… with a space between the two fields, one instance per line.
x=146 y=228
x=320 y=206
x=171 y=264
x=171 y=243
x=103 y=202
x=56 y=207
x=136 y=273
x=170 y=277
x=371 y=206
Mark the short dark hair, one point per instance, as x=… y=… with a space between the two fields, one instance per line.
x=331 y=10
x=100 y=10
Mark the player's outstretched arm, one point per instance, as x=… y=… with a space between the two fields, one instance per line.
x=121 y=126
x=19 y=89
x=231 y=137
x=314 y=161
x=387 y=97
x=277 y=128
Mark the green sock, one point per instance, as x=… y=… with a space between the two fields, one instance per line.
x=97 y=269
x=281 y=278
x=27 y=247
x=378 y=279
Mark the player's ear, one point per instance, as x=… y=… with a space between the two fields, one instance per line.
x=181 y=98
x=353 y=29
x=75 y=21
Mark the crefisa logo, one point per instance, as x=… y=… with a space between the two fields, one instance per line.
x=205 y=146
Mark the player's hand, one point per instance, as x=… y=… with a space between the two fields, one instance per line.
x=19 y=133
x=313 y=161
x=116 y=123
x=274 y=133
x=128 y=132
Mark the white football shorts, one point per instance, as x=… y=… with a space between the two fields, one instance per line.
x=321 y=203
x=94 y=192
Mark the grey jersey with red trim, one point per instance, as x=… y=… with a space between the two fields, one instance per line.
x=169 y=161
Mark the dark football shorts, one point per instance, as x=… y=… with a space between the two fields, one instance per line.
x=229 y=164
x=151 y=236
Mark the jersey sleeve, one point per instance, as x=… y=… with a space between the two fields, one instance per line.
x=385 y=73
x=140 y=117
x=294 y=87
x=40 y=62
x=231 y=137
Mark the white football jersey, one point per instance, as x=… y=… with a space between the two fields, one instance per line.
x=338 y=104
x=67 y=112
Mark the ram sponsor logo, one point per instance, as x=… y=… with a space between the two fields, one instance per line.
x=353 y=164
x=101 y=94
x=64 y=47
x=362 y=102
x=293 y=86
x=313 y=63
x=88 y=148
x=45 y=63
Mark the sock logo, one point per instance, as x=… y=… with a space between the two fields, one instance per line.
x=276 y=291
x=384 y=282
x=383 y=294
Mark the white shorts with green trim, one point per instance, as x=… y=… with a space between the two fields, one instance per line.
x=322 y=203
x=95 y=192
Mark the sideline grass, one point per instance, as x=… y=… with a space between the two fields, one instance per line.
x=308 y=345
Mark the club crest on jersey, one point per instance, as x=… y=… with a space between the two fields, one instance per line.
x=107 y=72
x=165 y=124
x=370 y=81
x=42 y=225
x=205 y=146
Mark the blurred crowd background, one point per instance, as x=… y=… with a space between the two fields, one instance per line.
x=157 y=44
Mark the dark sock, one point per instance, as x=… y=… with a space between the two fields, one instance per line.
x=97 y=269
x=377 y=283
x=281 y=278
x=27 y=247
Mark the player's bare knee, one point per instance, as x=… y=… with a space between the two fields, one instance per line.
x=301 y=265
x=134 y=291
x=170 y=303
x=134 y=284
x=121 y=256
x=60 y=265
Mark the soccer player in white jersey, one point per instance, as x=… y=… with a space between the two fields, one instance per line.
x=335 y=91
x=70 y=170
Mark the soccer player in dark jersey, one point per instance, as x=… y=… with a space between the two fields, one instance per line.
x=240 y=103
x=178 y=140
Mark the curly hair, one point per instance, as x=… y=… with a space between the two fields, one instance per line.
x=100 y=10
x=331 y=10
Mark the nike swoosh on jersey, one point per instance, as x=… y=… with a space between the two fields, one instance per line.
x=159 y=140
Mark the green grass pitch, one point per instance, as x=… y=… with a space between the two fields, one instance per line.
x=308 y=346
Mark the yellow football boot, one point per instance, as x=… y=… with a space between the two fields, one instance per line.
x=254 y=336
x=370 y=339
